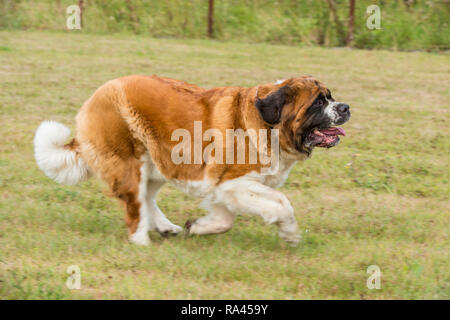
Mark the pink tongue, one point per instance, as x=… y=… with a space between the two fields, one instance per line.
x=333 y=131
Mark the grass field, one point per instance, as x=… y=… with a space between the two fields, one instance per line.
x=380 y=198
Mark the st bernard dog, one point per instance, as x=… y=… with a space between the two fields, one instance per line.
x=125 y=136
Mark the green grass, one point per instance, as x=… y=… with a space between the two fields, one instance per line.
x=423 y=25
x=380 y=197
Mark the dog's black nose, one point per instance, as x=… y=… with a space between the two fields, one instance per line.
x=343 y=108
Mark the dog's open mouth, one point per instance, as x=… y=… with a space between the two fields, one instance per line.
x=326 y=138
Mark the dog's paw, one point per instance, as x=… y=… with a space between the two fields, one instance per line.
x=169 y=230
x=140 y=238
x=187 y=227
x=292 y=239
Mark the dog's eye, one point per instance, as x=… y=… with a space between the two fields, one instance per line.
x=320 y=102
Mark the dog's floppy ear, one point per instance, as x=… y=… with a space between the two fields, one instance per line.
x=271 y=106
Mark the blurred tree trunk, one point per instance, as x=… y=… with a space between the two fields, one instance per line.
x=134 y=19
x=339 y=26
x=210 y=18
x=408 y=3
x=186 y=16
x=323 y=22
x=351 y=23
x=81 y=6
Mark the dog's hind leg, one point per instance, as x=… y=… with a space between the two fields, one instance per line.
x=126 y=185
x=219 y=220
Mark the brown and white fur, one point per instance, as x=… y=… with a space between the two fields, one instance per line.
x=123 y=135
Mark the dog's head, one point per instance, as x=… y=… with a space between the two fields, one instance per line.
x=305 y=112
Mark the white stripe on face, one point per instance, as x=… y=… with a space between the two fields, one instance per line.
x=331 y=112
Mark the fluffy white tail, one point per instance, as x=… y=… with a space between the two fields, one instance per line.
x=58 y=161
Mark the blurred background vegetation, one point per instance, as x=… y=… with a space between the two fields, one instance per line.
x=405 y=24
